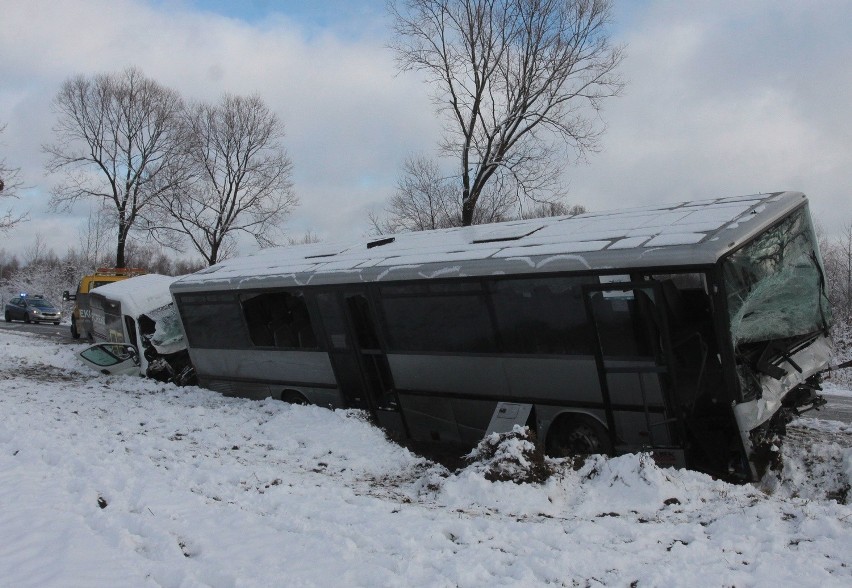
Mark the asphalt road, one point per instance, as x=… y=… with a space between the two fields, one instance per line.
x=838 y=408
x=60 y=332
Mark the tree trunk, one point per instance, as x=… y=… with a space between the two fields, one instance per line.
x=467 y=212
x=214 y=254
x=119 y=251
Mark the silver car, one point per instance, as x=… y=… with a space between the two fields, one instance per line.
x=32 y=309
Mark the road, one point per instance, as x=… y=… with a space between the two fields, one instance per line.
x=838 y=408
x=61 y=332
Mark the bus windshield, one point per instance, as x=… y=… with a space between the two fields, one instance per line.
x=775 y=285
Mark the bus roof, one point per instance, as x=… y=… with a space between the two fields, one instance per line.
x=671 y=235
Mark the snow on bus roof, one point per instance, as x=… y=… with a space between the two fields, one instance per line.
x=679 y=234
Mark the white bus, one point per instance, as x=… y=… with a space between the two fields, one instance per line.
x=694 y=330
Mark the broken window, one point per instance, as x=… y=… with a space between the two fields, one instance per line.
x=775 y=285
x=279 y=319
x=164 y=329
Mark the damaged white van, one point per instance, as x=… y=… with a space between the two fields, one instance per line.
x=137 y=331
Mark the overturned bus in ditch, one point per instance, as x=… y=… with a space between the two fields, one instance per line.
x=693 y=330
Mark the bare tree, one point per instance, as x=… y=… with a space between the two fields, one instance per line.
x=37 y=251
x=9 y=185
x=94 y=239
x=425 y=199
x=521 y=82
x=306 y=239
x=836 y=253
x=118 y=142
x=241 y=179
x=837 y=260
x=545 y=209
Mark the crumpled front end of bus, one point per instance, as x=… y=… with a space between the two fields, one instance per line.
x=762 y=421
x=795 y=390
x=779 y=322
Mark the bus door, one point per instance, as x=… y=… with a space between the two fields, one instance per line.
x=633 y=357
x=359 y=362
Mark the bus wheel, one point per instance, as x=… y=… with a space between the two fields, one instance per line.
x=574 y=435
x=293 y=397
x=74 y=332
x=7 y=317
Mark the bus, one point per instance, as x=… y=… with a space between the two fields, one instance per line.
x=694 y=330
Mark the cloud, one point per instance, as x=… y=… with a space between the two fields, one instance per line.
x=349 y=119
x=724 y=98
x=729 y=98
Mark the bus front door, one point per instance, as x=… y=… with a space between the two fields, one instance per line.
x=633 y=357
x=359 y=362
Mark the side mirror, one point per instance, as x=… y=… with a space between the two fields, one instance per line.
x=66 y=296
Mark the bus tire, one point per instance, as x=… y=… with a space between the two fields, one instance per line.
x=7 y=317
x=575 y=434
x=293 y=397
x=75 y=334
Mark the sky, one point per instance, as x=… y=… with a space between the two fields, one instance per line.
x=723 y=98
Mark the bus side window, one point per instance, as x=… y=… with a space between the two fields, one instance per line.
x=445 y=319
x=542 y=315
x=213 y=321
x=279 y=319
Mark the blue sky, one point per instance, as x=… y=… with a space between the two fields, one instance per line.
x=724 y=97
x=350 y=19
x=320 y=13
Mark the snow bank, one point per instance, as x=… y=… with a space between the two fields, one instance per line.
x=120 y=481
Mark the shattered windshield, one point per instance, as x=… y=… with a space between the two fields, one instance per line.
x=775 y=285
x=168 y=335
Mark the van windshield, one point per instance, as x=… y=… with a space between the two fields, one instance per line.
x=775 y=285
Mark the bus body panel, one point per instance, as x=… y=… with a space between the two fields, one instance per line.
x=269 y=373
x=494 y=376
x=270 y=366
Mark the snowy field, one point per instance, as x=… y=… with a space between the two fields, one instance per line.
x=108 y=481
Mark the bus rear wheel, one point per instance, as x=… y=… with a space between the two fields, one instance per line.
x=293 y=397
x=573 y=435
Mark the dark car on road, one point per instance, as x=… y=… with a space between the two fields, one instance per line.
x=32 y=309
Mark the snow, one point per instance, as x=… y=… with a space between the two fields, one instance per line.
x=121 y=481
x=672 y=234
x=139 y=294
x=836 y=390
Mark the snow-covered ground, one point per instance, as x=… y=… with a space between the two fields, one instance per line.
x=108 y=481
